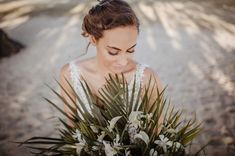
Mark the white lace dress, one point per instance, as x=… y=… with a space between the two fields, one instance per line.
x=76 y=78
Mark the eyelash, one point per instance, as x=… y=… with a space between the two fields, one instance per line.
x=117 y=52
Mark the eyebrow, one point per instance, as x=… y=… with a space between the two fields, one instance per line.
x=120 y=49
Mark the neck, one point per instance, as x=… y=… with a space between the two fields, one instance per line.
x=101 y=68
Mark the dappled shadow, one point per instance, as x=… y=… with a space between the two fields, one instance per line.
x=190 y=45
x=15 y=13
x=199 y=52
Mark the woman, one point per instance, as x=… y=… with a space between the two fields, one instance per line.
x=112 y=27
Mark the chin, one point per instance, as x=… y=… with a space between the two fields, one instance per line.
x=117 y=70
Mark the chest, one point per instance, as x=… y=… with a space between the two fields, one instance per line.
x=96 y=82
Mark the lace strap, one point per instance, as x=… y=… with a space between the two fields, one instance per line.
x=140 y=73
x=76 y=80
x=75 y=76
x=139 y=81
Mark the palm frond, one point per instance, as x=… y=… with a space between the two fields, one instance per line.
x=117 y=99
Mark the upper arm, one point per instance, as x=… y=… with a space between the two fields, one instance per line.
x=152 y=80
x=149 y=74
x=64 y=77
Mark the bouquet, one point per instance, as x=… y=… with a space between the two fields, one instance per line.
x=124 y=125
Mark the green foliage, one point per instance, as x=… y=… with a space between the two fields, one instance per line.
x=128 y=123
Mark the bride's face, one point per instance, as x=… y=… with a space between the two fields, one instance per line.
x=116 y=48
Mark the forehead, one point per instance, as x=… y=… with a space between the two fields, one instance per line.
x=120 y=37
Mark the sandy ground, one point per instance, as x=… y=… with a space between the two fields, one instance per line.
x=191 y=46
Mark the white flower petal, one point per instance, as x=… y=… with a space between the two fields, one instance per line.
x=178 y=145
x=78 y=135
x=153 y=152
x=157 y=142
x=95 y=148
x=164 y=148
x=133 y=116
x=165 y=139
x=142 y=135
x=94 y=129
x=169 y=143
x=116 y=140
x=127 y=152
x=161 y=137
x=109 y=151
x=150 y=115
x=101 y=137
x=113 y=122
x=79 y=147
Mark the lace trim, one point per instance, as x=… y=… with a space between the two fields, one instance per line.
x=75 y=76
x=76 y=80
x=139 y=81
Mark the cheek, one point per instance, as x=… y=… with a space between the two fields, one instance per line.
x=107 y=59
x=130 y=56
x=110 y=60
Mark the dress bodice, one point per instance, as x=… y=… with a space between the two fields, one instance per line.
x=76 y=78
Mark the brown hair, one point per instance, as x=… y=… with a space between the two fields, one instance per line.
x=108 y=14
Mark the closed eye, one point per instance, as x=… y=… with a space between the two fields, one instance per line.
x=131 y=51
x=111 y=53
x=116 y=53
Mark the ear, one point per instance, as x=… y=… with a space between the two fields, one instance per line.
x=92 y=40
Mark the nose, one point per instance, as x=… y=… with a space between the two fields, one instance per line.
x=122 y=60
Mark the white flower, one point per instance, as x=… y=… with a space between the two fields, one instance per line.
x=127 y=152
x=147 y=116
x=143 y=136
x=116 y=140
x=133 y=117
x=109 y=151
x=101 y=137
x=95 y=148
x=152 y=152
x=171 y=130
x=113 y=122
x=79 y=147
x=132 y=131
x=177 y=145
x=94 y=129
x=78 y=135
x=82 y=142
x=164 y=142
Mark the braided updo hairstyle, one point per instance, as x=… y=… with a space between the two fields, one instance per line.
x=108 y=14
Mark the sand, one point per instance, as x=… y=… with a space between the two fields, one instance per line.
x=190 y=46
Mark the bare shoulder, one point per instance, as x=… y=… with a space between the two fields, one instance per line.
x=65 y=80
x=86 y=65
x=149 y=73
x=64 y=71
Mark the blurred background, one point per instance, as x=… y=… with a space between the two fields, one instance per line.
x=190 y=45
